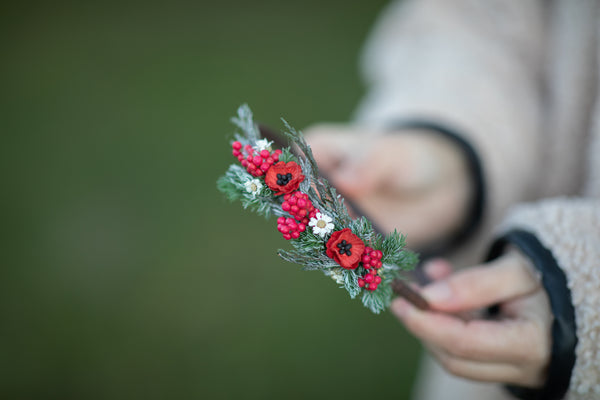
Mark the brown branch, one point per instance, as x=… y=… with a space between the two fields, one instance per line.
x=408 y=293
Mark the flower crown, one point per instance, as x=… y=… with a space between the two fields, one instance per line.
x=313 y=217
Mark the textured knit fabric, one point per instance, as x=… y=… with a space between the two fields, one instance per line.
x=571 y=228
x=520 y=79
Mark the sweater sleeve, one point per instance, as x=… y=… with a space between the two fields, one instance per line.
x=570 y=230
x=467 y=64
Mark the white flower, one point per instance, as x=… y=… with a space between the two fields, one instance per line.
x=322 y=224
x=337 y=275
x=263 y=144
x=253 y=186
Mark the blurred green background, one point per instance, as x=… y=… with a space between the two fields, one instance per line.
x=125 y=274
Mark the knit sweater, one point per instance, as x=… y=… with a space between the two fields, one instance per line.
x=518 y=80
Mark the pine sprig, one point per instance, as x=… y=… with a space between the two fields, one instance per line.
x=394 y=250
x=245 y=122
x=351 y=283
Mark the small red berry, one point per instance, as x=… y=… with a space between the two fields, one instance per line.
x=264 y=153
x=379 y=254
x=286 y=206
x=366 y=259
x=361 y=282
x=368 y=278
x=377 y=280
x=295 y=234
x=270 y=160
x=373 y=286
x=264 y=167
x=236 y=145
x=244 y=163
x=257 y=160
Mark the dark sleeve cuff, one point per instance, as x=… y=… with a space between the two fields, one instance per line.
x=476 y=206
x=564 y=338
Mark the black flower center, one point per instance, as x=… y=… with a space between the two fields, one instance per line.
x=284 y=179
x=344 y=248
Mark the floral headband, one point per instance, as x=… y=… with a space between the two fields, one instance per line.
x=313 y=217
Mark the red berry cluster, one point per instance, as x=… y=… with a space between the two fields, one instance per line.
x=299 y=206
x=290 y=228
x=371 y=261
x=256 y=163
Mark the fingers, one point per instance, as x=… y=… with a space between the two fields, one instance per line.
x=437 y=268
x=360 y=161
x=486 y=371
x=475 y=340
x=505 y=278
x=340 y=151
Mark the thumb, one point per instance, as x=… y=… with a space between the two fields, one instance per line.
x=502 y=279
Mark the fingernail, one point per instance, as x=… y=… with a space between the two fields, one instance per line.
x=437 y=292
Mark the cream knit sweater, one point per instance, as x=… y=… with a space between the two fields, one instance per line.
x=519 y=78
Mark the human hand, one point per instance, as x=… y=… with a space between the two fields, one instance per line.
x=413 y=181
x=515 y=348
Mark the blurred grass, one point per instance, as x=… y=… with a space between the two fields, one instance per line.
x=126 y=274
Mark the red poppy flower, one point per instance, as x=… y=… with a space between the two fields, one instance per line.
x=345 y=248
x=284 y=177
